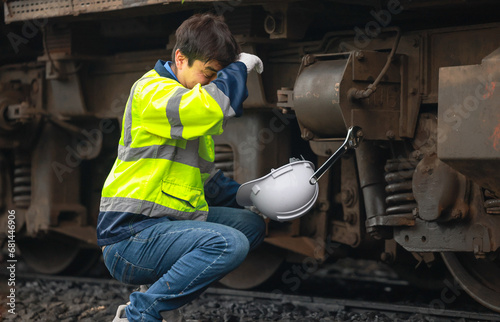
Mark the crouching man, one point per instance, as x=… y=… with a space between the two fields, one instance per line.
x=168 y=220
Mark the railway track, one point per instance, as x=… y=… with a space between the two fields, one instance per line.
x=358 y=306
x=65 y=298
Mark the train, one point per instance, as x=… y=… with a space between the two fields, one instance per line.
x=420 y=78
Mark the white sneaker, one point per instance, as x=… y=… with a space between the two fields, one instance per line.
x=120 y=314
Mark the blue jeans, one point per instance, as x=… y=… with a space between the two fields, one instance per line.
x=181 y=258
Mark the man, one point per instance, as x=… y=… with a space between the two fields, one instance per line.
x=155 y=224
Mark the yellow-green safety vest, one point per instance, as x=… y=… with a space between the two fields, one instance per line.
x=166 y=152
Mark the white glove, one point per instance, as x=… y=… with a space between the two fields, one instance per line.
x=252 y=62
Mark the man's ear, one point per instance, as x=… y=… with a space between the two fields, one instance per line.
x=180 y=59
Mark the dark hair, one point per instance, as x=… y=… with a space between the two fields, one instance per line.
x=206 y=37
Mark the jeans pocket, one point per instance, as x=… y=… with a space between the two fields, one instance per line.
x=129 y=273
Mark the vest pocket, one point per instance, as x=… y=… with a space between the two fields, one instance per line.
x=181 y=197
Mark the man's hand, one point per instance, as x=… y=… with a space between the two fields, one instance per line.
x=256 y=211
x=252 y=62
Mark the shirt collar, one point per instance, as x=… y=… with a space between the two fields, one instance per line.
x=164 y=70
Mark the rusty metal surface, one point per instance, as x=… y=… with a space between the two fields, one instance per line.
x=324 y=107
x=325 y=147
x=366 y=66
x=398 y=176
x=478 y=234
x=392 y=220
x=350 y=230
x=55 y=192
x=440 y=191
x=455 y=47
x=469 y=120
x=479 y=277
x=370 y=160
x=316 y=98
x=302 y=245
x=286 y=19
x=19 y=10
x=371 y=120
x=383 y=105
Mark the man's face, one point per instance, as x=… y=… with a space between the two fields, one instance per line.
x=198 y=73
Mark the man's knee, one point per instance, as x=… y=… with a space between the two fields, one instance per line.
x=257 y=229
x=238 y=247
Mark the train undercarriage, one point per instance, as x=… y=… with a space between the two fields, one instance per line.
x=419 y=78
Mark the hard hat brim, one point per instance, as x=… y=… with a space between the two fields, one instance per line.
x=245 y=190
x=296 y=213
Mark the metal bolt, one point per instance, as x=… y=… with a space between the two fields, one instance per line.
x=359 y=55
x=306 y=134
x=309 y=59
x=347 y=197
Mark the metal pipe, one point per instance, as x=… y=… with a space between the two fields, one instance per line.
x=371 y=160
x=360 y=94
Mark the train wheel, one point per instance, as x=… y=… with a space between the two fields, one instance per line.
x=480 y=278
x=257 y=268
x=52 y=255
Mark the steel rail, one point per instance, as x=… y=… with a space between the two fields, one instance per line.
x=332 y=304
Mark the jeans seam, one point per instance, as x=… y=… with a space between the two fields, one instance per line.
x=107 y=250
x=115 y=262
x=220 y=255
x=174 y=232
x=210 y=265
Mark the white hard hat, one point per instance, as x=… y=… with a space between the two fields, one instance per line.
x=282 y=195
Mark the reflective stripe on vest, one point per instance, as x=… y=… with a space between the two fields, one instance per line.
x=121 y=204
x=188 y=156
x=173 y=114
x=127 y=124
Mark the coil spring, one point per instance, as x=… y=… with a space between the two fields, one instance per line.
x=224 y=159
x=21 y=191
x=400 y=199
x=491 y=203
